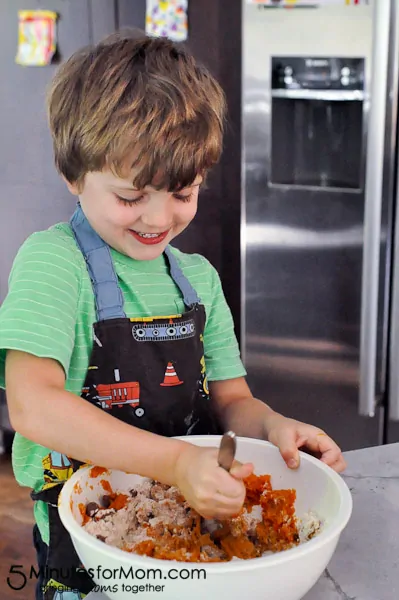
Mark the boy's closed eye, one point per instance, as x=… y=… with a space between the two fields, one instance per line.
x=137 y=199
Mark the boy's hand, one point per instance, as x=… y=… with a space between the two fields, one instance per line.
x=290 y=435
x=208 y=488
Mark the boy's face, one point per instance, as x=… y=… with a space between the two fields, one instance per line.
x=137 y=223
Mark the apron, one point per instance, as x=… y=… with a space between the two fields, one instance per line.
x=149 y=372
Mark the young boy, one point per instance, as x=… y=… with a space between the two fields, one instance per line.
x=109 y=336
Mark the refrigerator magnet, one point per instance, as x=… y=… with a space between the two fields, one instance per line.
x=37 y=37
x=167 y=18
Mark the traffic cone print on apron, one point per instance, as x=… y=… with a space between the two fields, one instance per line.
x=171 y=377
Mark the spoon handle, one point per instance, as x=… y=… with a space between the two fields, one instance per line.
x=227 y=450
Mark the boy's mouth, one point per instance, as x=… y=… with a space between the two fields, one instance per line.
x=148 y=238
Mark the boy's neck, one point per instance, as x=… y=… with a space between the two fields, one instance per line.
x=155 y=265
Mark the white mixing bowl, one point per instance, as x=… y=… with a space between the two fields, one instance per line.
x=287 y=575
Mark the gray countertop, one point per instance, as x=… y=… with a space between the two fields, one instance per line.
x=365 y=565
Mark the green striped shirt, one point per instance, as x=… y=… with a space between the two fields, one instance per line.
x=50 y=309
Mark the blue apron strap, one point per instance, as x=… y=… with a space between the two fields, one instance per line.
x=108 y=296
x=190 y=296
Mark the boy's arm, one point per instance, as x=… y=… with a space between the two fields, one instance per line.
x=41 y=410
x=250 y=417
x=238 y=409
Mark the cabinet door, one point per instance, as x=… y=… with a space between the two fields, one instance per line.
x=32 y=194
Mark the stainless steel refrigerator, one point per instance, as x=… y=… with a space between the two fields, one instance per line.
x=319 y=235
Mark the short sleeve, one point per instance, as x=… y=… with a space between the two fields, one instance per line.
x=38 y=315
x=222 y=353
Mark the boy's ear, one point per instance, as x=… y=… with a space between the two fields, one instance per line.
x=74 y=188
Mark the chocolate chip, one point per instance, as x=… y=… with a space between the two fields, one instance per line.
x=150 y=515
x=252 y=538
x=106 y=501
x=101 y=538
x=133 y=493
x=91 y=509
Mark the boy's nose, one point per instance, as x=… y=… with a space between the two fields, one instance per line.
x=158 y=218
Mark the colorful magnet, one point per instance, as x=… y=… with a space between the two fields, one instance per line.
x=167 y=18
x=36 y=37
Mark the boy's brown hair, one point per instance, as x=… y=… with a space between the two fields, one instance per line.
x=136 y=102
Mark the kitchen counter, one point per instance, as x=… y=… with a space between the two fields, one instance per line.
x=365 y=565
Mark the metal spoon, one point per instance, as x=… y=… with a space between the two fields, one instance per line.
x=227 y=450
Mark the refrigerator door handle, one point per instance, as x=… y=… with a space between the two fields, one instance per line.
x=393 y=350
x=373 y=204
x=393 y=385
